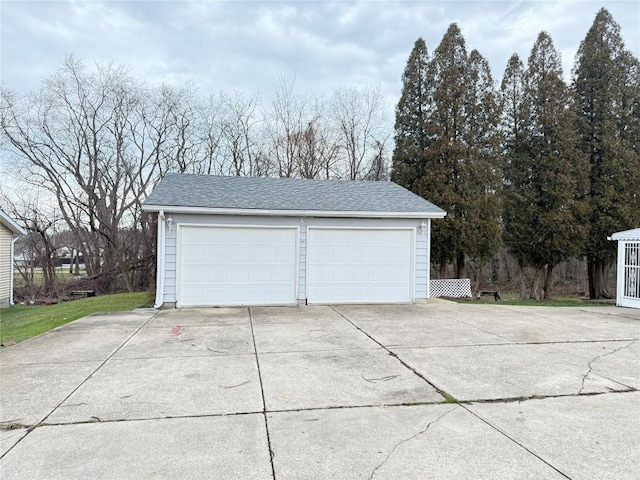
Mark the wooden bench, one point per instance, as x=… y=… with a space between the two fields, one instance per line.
x=82 y=293
x=495 y=293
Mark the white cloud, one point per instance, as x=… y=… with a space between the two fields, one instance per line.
x=242 y=46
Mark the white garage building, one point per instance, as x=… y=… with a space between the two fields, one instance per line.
x=282 y=241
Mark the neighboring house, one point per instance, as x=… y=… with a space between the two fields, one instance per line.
x=283 y=241
x=628 y=284
x=9 y=232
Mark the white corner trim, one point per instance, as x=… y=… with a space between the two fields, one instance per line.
x=13 y=241
x=291 y=213
x=160 y=259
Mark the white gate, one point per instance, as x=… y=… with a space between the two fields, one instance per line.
x=631 y=275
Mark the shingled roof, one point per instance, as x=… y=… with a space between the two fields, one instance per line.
x=286 y=196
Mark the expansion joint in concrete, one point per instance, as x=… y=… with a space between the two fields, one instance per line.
x=43 y=421
x=264 y=403
x=444 y=394
x=516 y=442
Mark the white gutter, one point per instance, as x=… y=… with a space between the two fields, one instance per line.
x=291 y=213
x=160 y=260
x=13 y=241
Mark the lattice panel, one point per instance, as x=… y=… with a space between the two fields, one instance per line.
x=454 y=288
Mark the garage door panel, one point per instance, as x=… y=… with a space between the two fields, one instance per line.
x=237 y=266
x=359 y=265
x=192 y=254
x=339 y=274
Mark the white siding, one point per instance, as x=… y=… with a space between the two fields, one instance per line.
x=170 y=266
x=421 y=243
x=5 y=265
x=421 y=264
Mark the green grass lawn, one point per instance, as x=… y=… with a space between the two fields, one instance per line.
x=23 y=321
x=62 y=273
x=514 y=299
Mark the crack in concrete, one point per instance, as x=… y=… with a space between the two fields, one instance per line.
x=215 y=351
x=408 y=439
x=543 y=397
x=381 y=379
x=595 y=359
x=234 y=386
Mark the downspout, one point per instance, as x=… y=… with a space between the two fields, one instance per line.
x=160 y=261
x=13 y=241
x=428 y=257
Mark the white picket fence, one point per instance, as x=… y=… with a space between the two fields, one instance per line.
x=454 y=288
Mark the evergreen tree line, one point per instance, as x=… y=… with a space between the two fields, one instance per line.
x=545 y=168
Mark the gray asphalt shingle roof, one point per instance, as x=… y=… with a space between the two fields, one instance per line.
x=259 y=193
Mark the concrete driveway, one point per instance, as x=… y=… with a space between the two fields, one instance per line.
x=434 y=391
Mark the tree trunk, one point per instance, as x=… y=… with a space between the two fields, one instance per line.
x=479 y=279
x=597 y=270
x=461 y=266
x=536 y=287
x=443 y=270
x=77 y=258
x=548 y=281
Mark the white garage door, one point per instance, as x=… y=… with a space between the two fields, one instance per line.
x=359 y=265
x=236 y=266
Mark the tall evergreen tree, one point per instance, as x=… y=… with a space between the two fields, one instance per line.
x=447 y=142
x=546 y=178
x=518 y=192
x=465 y=121
x=605 y=81
x=411 y=137
x=446 y=154
x=481 y=235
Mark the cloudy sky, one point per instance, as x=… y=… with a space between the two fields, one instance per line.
x=245 y=45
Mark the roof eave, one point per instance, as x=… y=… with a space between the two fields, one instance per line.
x=10 y=223
x=628 y=235
x=291 y=213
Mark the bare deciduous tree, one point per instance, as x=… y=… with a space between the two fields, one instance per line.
x=358 y=115
x=97 y=140
x=239 y=132
x=82 y=137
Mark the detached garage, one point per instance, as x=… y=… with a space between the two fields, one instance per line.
x=281 y=241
